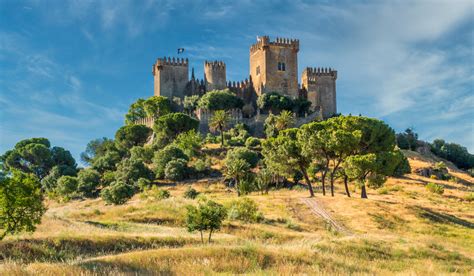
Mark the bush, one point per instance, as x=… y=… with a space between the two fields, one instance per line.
x=435 y=188
x=162 y=194
x=253 y=143
x=88 y=181
x=176 y=169
x=470 y=197
x=403 y=166
x=244 y=209
x=246 y=185
x=164 y=156
x=129 y=136
x=202 y=166
x=50 y=181
x=118 y=193
x=189 y=142
x=191 y=193
x=66 y=187
x=144 y=153
x=130 y=170
x=143 y=184
x=250 y=156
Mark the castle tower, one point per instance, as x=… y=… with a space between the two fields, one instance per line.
x=171 y=77
x=274 y=66
x=214 y=74
x=320 y=85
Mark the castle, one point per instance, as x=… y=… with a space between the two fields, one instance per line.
x=273 y=68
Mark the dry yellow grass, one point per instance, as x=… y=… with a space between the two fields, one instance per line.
x=403 y=230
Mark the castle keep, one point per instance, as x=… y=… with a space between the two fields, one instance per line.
x=273 y=68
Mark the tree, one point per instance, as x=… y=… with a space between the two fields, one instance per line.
x=66 y=186
x=284 y=120
x=130 y=170
x=220 y=119
x=190 y=103
x=95 y=148
x=88 y=181
x=162 y=157
x=454 y=153
x=220 y=100
x=106 y=162
x=274 y=102
x=176 y=169
x=284 y=156
x=49 y=182
x=301 y=106
x=157 y=106
x=371 y=168
x=407 y=140
x=21 y=203
x=208 y=216
x=248 y=155
x=118 y=193
x=237 y=170
x=135 y=112
x=167 y=127
x=36 y=156
x=129 y=136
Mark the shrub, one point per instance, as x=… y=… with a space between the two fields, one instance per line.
x=202 y=166
x=66 y=187
x=107 y=178
x=144 y=153
x=162 y=194
x=250 y=156
x=433 y=176
x=246 y=185
x=117 y=193
x=143 y=183
x=164 y=156
x=244 y=209
x=176 y=169
x=435 y=188
x=191 y=193
x=189 y=142
x=50 y=181
x=88 y=181
x=131 y=135
x=252 y=143
x=403 y=166
x=130 y=170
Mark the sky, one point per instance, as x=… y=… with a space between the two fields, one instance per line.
x=70 y=69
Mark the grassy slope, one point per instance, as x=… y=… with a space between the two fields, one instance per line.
x=403 y=229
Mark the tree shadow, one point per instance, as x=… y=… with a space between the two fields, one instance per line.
x=438 y=217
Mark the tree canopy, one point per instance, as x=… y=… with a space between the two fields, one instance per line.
x=220 y=100
x=167 y=127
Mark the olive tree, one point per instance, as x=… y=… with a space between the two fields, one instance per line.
x=21 y=203
x=207 y=216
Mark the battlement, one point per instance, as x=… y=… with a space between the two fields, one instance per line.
x=239 y=84
x=263 y=41
x=168 y=61
x=313 y=72
x=214 y=64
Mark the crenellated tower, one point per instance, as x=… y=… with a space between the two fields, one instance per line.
x=170 y=77
x=274 y=66
x=320 y=87
x=215 y=75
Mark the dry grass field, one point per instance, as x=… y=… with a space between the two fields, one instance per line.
x=401 y=229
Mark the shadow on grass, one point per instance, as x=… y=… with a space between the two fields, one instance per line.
x=438 y=217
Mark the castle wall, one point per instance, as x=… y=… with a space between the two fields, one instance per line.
x=268 y=57
x=215 y=75
x=170 y=77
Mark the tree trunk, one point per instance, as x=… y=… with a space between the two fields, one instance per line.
x=363 y=193
x=202 y=238
x=345 y=186
x=210 y=234
x=332 y=184
x=222 y=136
x=308 y=182
x=323 y=181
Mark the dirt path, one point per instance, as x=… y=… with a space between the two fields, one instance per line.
x=318 y=210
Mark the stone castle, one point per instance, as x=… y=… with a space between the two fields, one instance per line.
x=273 y=68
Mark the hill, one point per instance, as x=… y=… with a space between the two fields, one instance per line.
x=401 y=229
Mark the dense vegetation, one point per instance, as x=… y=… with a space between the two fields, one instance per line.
x=352 y=149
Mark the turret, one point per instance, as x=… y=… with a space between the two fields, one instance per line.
x=320 y=86
x=215 y=75
x=170 y=77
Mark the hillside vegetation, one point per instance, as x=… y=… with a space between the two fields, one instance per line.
x=402 y=228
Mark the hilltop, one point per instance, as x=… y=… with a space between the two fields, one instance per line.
x=401 y=228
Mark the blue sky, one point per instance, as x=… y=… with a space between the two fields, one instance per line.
x=70 y=69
